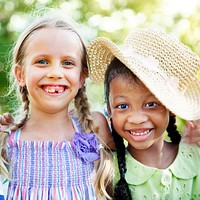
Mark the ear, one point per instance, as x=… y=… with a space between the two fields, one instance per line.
x=19 y=74
x=108 y=110
x=83 y=76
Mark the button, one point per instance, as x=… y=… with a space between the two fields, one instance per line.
x=166 y=179
x=155 y=197
x=166 y=188
x=166 y=196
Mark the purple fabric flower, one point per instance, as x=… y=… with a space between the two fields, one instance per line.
x=86 y=146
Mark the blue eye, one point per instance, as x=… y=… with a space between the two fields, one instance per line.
x=68 y=63
x=42 y=62
x=122 y=106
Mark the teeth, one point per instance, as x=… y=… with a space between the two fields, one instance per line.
x=60 y=91
x=54 y=89
x=50 y=90
x=139 y=133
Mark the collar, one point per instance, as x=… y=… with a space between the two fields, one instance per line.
x=185 y=165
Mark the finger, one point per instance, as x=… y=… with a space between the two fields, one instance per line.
x=3 y=127
x=2 y=120
x=196 y=124
x=8 y=117
x=189 y=129
x=191 y=140
x=189 y=125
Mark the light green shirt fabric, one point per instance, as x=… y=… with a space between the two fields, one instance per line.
x=180 y=181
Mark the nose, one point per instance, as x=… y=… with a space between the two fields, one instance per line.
x=55 y=71
x=137 y=117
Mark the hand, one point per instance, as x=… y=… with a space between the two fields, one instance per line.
x=192 y=133
x=5 y=120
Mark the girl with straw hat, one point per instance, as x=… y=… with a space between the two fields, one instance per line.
x=152 y=80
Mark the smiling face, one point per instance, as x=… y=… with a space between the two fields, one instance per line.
x=52 y=69
x=136 y=114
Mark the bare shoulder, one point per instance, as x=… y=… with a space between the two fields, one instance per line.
x=104 y=129
x=99 y=117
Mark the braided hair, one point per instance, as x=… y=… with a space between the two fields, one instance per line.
x=121 y=190
x=172 y=130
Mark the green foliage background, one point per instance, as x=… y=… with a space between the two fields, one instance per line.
x=110 y=18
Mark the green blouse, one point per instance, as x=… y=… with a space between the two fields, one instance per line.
x=180 y=181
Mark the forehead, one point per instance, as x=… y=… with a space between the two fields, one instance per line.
x=129 y=81
x=54 y=39
x=125 y=87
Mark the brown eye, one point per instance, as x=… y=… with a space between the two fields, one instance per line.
x=151 y=105
x=122 y=106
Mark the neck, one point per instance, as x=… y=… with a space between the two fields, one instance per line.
x=48 y=126
x=160 y=155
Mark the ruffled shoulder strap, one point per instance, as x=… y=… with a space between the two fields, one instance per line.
x=77 y=125
x=15 y=135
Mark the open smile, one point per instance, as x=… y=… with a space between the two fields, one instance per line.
x=54 y=89
x=140 y=132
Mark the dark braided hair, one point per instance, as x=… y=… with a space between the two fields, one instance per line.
x=115 y=69
x=121 y=190
x=172 y=130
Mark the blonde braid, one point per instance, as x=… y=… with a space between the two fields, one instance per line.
x=4 y=162
x=83 y=111
x=105 y=166
x=25 y=108
x=104 y=174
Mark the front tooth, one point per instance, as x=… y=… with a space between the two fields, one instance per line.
x=60 y=91
x=51 y=90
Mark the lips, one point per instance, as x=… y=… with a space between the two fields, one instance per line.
x=52 y=89
x=140 y=135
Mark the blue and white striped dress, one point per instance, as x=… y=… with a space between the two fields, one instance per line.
x=51 y=170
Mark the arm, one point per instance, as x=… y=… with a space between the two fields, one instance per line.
x=103 y=182
x=192 y=132
x=104 y=130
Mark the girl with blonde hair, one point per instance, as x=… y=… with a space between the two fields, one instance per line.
x=52 y=153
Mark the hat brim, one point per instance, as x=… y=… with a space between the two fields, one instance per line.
x=185 y=104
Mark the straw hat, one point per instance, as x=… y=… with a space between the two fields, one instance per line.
x=167 y=67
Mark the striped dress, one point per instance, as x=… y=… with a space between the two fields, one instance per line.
x=48 y=170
